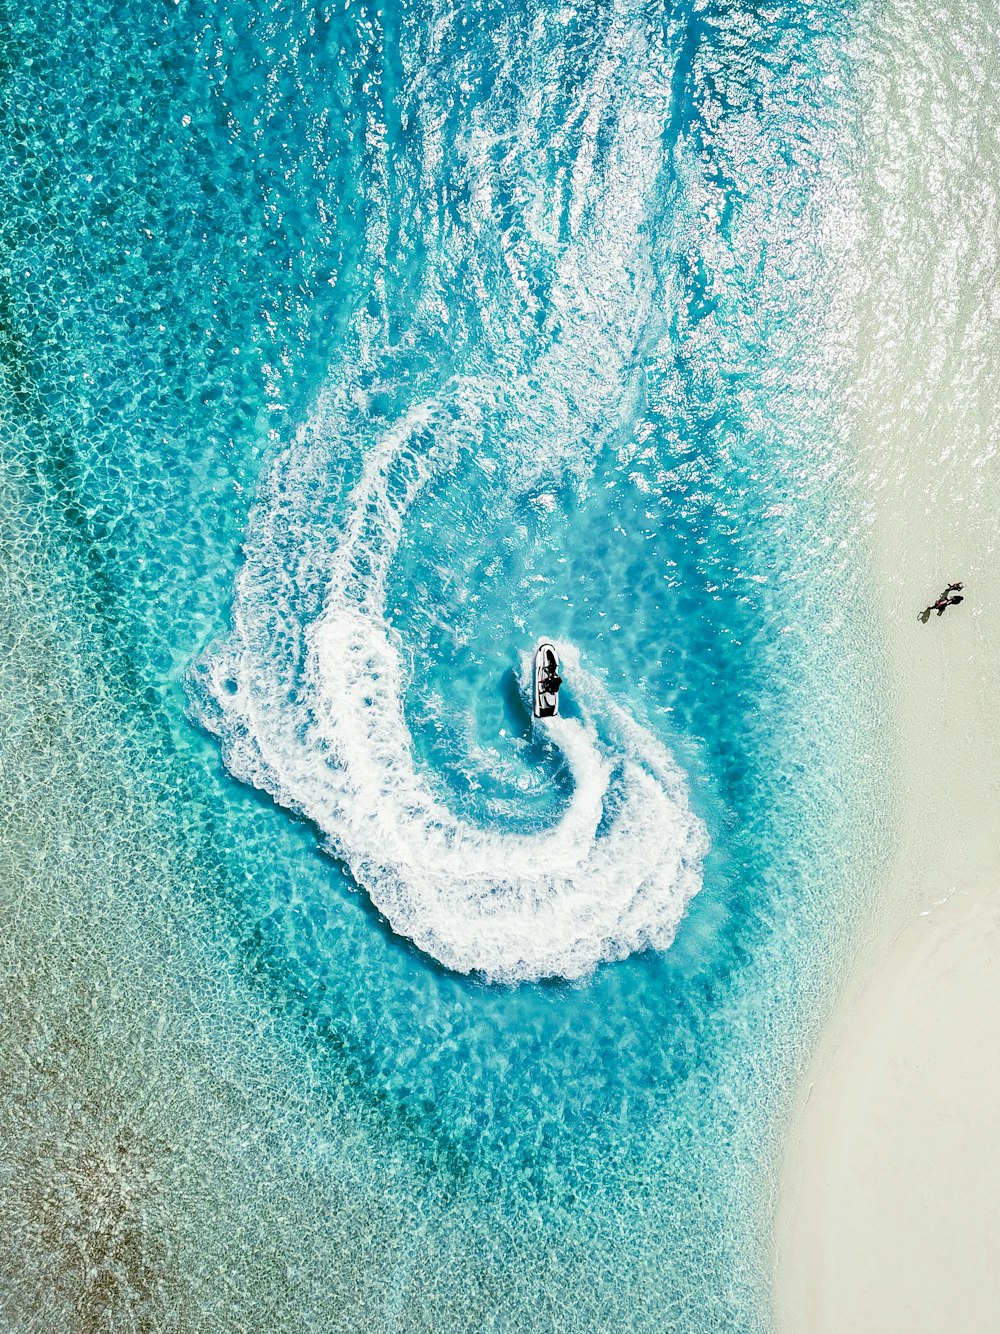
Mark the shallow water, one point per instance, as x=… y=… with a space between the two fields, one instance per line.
x=346 y=353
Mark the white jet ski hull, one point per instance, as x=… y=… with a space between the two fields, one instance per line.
x=546 y=664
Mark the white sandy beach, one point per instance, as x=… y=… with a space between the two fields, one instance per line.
x=888 y=1217
x=889 y=1208
x=889 y=1212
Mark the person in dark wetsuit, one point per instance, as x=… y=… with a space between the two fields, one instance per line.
x=550 y=684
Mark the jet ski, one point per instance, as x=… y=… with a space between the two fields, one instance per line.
x=547 y=680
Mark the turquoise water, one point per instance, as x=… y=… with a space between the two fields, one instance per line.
x=346 y=352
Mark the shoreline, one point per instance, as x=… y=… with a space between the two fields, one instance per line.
x=889 y=1196
x=888 y=1199
x=889 y=1193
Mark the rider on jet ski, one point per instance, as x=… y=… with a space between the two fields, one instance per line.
x=549 y=685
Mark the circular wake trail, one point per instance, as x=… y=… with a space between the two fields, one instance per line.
x=309 y=705
x=610 y=877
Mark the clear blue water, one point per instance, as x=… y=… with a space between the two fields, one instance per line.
x=571 y=268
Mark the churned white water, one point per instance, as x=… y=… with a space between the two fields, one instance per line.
x=324 y=731
x=611 y=876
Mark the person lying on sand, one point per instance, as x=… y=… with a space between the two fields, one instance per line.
x=949 y=598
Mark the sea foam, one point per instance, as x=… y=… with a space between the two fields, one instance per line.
x=612 y=874
x=309 y=702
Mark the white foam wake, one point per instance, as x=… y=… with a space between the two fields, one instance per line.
x=610 y=877
x=310 y=706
